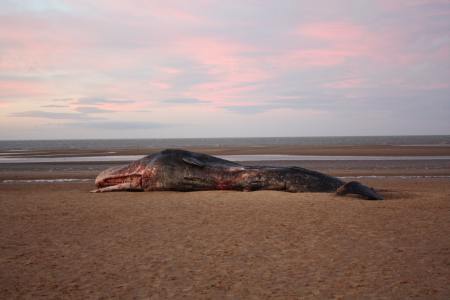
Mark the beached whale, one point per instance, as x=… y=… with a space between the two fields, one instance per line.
x=180 y=170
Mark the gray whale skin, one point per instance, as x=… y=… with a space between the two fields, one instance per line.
x=181 y=170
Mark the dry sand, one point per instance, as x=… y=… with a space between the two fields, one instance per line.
x=59 y=241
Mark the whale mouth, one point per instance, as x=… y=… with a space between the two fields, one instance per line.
x=117 y=175
x=134 y=179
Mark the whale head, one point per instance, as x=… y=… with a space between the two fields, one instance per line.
x=119 y=178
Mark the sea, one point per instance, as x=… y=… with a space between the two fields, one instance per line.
x=14 y=154
x=95 y=144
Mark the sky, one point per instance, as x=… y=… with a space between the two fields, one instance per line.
x=235 y=68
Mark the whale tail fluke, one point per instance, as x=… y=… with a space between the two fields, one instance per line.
x=354 y=187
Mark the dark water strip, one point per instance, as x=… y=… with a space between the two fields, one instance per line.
x=417 y=140
x=239 y=158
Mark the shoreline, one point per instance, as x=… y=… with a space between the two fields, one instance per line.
x=242 y=158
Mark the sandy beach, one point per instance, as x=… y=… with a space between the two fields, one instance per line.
x=59 y=241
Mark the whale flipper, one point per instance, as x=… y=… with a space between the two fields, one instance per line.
x=193 y=161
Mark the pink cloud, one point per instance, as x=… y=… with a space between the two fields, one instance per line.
x=346 y=39
x=221 y=92
x=216 y=54
x=226 y=63
x=442 y=53
x=339 y=41
x=161 y=85
x=344 y=84
x=166 y=11
x=176 y=13
x=170 y=70
x=69 y=44
x=109 y=105
x=343 y=41
x=315 y=57
x=230 y=68
x=332 y=31
x=23 y=88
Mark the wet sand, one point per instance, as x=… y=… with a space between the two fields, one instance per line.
x=59 y=241
x=422 y=168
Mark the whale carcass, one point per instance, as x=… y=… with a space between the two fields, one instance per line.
x=181 y=170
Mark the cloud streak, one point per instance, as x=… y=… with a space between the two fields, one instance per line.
x=95 y=101
x=185 y=101
x=119 y=126
x=91 y=110
x=50 y=115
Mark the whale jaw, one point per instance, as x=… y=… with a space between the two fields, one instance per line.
x=118 y=179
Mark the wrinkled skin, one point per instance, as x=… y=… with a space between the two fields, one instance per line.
x=180 y=170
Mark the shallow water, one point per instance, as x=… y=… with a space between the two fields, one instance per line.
x=54 y=180
x=416 y=140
